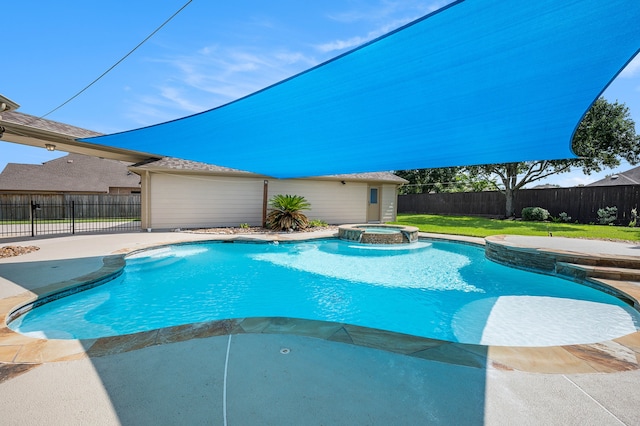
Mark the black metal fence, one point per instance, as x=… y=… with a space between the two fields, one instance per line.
x=581 y=203
x=33 y=215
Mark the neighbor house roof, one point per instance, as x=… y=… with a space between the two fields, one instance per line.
x=72 y=173
x=629 y=177
x=546 y=186
x=187 y=166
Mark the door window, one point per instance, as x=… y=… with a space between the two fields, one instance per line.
x=373 y=196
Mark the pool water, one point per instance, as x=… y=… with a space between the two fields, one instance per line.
x=380 y=230
x=438 y=290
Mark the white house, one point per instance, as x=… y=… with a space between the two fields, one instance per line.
x=186 y=194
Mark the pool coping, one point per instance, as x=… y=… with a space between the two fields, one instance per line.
x=620 y=354
x=357 y=232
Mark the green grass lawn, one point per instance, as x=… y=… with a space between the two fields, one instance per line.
x=483 y=227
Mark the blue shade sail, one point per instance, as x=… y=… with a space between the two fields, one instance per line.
x=478 y=82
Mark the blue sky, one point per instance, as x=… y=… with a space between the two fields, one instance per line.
x=209 y=54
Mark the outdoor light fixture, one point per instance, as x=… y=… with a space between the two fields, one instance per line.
x=50 y=147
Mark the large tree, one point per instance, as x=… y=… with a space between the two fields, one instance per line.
x=605 y=136
x=429 y=180
x=514 y=176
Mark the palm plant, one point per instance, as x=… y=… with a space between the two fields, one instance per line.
x=286 y=213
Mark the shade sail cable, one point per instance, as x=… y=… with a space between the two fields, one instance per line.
x=119 y=61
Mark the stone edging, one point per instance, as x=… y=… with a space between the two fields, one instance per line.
x=554 y=262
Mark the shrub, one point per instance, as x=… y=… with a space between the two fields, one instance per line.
x=608 y=215
x=286 y=213
x=244 y=225
x=634 y=218
x=562 y=217
x=535 y=214
x=317 y=223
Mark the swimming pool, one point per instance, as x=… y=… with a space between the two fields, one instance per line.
x=438 y=290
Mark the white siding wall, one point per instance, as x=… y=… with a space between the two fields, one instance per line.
x=330 y=201
x=389 y=206
x=188 y=201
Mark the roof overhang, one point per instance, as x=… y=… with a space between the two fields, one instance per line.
x=161 y=167
x=27 y=130
x=169 y=171
x=69 y=144
x=7 y=104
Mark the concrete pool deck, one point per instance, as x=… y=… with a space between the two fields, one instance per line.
x=281 y=378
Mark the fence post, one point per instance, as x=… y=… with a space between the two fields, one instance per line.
x=73 y=217
x=33 y=218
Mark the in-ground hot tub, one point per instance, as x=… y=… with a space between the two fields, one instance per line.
x=378 y=234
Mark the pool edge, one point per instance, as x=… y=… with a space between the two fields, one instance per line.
x=620 y=354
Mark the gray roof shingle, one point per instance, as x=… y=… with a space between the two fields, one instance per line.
x=195 y=166
x=629 y=177
x=371 y=176
x=186 y=165
x=71 y=173
x=48 y=125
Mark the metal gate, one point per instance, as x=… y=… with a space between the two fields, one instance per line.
x=44 y=217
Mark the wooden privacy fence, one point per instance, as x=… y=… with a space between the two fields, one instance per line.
x=18 y=206
x=581 y=203
x=34 y=214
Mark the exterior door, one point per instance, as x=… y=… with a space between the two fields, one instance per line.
x=373 y=212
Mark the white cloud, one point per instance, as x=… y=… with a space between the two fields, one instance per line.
x=234 y=73
x=342 y=44
x=632 y=69
x=295 y=58
x=169 y=104
x=178 y=100
x=386 y=9
x=358 y=40
x=213 y=76
x=216 y=74
x=388 y=17
x=146 y=112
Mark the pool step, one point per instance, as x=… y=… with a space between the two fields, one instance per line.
x=625 y=262
x=589 y=271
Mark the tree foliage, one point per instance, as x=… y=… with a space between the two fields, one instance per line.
x=604 y=137
x=448 y=179
x=428 y=180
